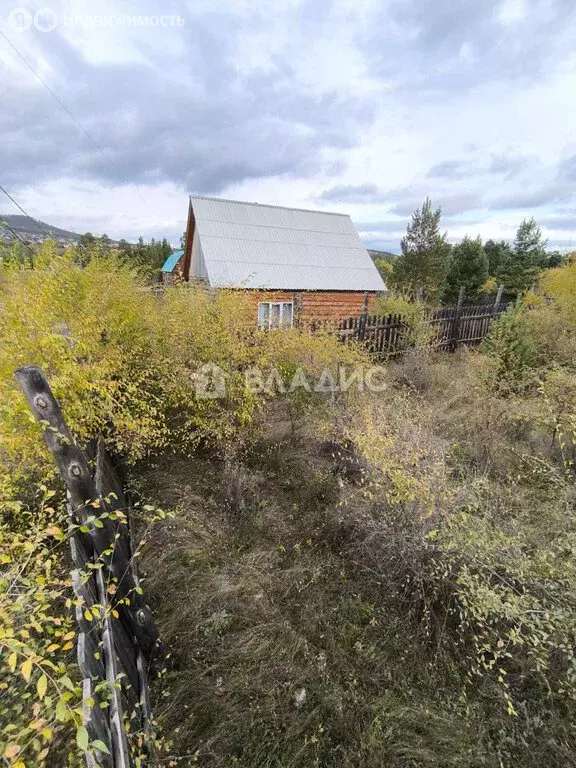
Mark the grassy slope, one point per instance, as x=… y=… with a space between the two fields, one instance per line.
x=310 y=624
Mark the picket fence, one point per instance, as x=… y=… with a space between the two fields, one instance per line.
x=389 y=335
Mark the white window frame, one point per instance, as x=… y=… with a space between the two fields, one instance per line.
x=281 y=304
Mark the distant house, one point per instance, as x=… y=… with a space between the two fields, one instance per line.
x=171 y=267
x=298 y=266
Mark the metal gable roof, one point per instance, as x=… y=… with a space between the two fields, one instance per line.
x=262 y=246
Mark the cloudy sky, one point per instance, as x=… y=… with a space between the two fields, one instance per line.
x=359 y=107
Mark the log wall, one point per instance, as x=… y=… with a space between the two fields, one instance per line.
x=311 y=306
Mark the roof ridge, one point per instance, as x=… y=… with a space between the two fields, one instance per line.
x=267 y=205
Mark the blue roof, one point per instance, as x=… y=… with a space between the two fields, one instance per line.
x=171 y=261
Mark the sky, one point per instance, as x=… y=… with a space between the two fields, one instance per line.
x=111 y=114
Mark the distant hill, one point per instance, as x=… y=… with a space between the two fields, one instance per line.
x=28 y=230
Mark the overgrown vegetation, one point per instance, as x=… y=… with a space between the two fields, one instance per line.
x=417 y=332
x=370 y=579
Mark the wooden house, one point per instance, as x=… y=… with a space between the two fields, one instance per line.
x=298 y=266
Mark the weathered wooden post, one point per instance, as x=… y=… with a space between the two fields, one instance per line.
x=74 y=470
x=297 y=309
x=498 y=299
x=456 y=321
x=122 y=621
x=363 y=318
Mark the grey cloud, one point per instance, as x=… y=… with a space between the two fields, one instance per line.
x=567 y=168
x=510 y=165
x=194 y=117
x=534 y=198
x=450 y=204
x=406 y=208
x=562 y=244
x=448 y=169
x=199 y=122
x=507 y=164
x=360 y=193
x=565 y=222
x=382 y=235
x=383 y=226
x=452 y=46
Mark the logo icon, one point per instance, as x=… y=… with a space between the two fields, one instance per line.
x=46 y=20
x=210 y=382
x=20 y=19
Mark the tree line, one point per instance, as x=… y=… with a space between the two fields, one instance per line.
x=431 y=268
x=146 y=257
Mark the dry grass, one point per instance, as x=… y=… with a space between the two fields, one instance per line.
x=314 y=621
x=266 y=585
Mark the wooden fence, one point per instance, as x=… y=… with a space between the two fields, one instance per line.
x=118 y=642
x=443 y=329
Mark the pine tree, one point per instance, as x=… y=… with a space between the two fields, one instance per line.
x=422 y=263
x=467 y=266
x=496 y=251
x=521 y=265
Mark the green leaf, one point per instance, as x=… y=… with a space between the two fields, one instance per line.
x=61 y=711
x=100 y=746
x=82 y=738
x=26 y=669
x=67 y=683
x=41 y=686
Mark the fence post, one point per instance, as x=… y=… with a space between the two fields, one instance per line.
x=363 y=317
x=456 y=321
x=498 y=298
x=296 y=309
x=127 y=634
x=82 y=487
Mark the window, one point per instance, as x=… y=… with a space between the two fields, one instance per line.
x=275 y=314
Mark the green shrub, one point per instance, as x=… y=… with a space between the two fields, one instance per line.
x=122 y=361
x=512 y=350
x=551 y=317
x=124 y=364
x=395 y=589
x=40 y=702
x=417 y=331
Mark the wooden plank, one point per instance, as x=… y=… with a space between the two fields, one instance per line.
x=120 y=751
x=498 y=299
x=89 y=646
x=126 y=655
x=75 y=472
x=106 y=479
x=146 y=710
x=95 y=722
x=385 y=336
x=455 y=330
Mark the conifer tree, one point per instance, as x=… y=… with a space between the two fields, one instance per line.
x=422 y=263
x=467 y=266
x=521 y=265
